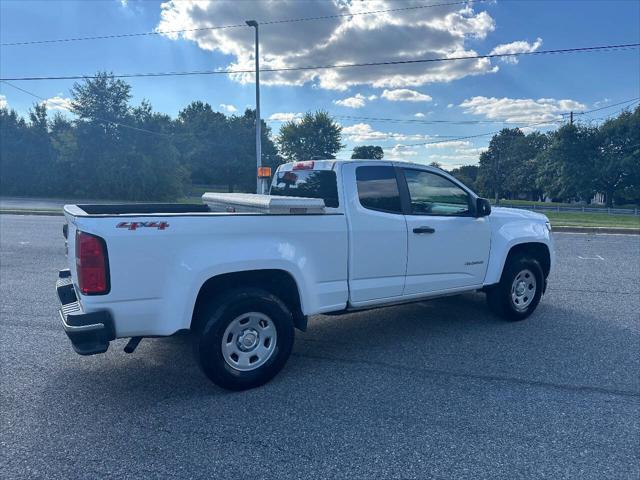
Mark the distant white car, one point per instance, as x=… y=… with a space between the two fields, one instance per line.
x=243 y=278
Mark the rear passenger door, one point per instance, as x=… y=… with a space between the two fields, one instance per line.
x=377 y=233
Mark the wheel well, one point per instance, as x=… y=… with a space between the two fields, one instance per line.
x=278 y=282
x=539 y=251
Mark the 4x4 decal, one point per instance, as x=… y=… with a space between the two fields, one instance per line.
x=136 y=225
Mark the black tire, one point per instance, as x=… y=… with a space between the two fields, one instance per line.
x=500 y=298
x=213 y=320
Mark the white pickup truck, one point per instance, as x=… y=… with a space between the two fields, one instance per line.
x=375 y=233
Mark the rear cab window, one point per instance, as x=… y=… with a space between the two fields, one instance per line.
x=307 y=183
x=378 y=188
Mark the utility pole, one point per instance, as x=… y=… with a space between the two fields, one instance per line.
x=571 y=118
x=259 y=182
x=497 y=177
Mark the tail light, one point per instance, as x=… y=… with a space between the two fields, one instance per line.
x=92 y=264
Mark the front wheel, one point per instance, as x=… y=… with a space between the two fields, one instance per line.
x=243 y=338
x=520 y=289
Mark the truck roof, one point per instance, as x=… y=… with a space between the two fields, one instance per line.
x=329 y=164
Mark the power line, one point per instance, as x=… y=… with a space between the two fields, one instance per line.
x=405 y=120
x=119 y=124
x=386 y=136
x=238 y=25
x=631 y=100
x=346 y=65
x=611 y=115
x=548 y=122
x=447 y=122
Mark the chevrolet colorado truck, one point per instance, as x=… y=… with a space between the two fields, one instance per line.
x=242 y=272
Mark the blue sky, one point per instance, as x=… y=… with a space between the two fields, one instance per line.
x=499 y=93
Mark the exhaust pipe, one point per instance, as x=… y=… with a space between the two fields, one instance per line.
x=133 y=343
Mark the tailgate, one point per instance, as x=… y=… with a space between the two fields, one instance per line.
x=69 y=232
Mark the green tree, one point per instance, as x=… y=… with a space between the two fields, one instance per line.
x=316 y=135
x=630 y=188
x=498 y=161
x=122 y=152
x=102 y=100
x=367 y=152
x=201 y=136
x=221 y=150
x=522 y=177
x=618 y=162
x=567 y=166
x=467 y=174
x=14 y=173
x=39 y=152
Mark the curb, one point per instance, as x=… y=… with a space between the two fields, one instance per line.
x=57 y=213
x=595 y=230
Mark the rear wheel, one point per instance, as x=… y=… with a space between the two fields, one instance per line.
x=520 y=289
x=243 y=338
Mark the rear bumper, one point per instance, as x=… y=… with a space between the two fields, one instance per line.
x=90 y=333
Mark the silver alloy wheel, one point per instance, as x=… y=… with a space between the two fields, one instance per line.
x=249 y=341
x=523 y=290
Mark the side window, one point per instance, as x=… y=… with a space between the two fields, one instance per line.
x=378 y=188
x=432 y=194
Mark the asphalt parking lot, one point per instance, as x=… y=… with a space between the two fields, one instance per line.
x=440 y=389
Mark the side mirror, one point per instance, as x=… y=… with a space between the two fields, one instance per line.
x=483 y=207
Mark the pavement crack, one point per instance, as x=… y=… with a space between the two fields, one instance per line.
x=475 y=376
x=587 y=290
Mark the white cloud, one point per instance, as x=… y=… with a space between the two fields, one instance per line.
x=285 y=116
x=372 y=97
x=58 y=103
x=451 y=105
x=3 y=102
x=454 y=153
x=444 y=32
x=453 y=160
x=520 y=110
x=602 y=102
x=400 y=151
x=405 y=95
x=520 y=46
x=419 y=115
x=362 y=132
x=448 y=144
x=475 y=151
x=228 y=108
x=357 y=101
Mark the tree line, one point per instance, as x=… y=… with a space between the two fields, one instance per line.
x=573 y=163
x=114 y=150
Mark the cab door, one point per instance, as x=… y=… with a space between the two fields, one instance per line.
x=448 y=247
x=377 y=233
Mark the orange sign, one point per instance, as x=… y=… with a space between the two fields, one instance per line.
x=264 y=172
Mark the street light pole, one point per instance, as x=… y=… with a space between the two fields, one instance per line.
x=259 y=182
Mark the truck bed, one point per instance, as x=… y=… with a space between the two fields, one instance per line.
x=143 y=208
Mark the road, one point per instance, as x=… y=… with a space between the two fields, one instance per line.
x=440 y=389
x=37 y=203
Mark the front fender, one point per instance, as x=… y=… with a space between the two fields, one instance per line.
x=510 y=234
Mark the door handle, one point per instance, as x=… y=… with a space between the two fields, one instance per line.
x=424 y=230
